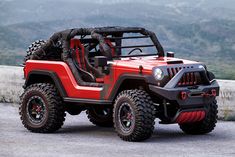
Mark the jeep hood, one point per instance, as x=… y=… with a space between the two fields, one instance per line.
x=149 y=62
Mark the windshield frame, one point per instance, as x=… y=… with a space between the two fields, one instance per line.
x=119 y=45
x=116 y=33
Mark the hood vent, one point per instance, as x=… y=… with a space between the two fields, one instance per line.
x=175 y=62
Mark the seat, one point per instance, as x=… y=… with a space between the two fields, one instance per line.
x=80 y=54
x=110 y=44
x=79 y=50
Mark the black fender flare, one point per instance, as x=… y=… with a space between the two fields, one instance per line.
x=211 y=76
x=148 y=79
x=33 y=78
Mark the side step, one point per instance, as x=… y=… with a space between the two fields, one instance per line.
x=87 y=101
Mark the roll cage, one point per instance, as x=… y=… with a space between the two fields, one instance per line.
x=116 y=35
x=99 y=35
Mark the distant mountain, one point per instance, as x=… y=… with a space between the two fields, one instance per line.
x=15 y=11
x=195 y=29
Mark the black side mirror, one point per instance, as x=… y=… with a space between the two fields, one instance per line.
x=101 y=62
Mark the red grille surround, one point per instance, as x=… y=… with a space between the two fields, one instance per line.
x=190 y=117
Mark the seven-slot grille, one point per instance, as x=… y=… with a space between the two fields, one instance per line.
x=191 y=78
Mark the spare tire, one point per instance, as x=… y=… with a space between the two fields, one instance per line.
x=54 y=52
x=32 y=48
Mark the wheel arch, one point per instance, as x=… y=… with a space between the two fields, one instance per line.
x=128 y=81
x=43 y=76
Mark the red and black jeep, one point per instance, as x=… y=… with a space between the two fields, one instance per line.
x=121 y=77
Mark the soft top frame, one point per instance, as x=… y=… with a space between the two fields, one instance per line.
x=99 y=34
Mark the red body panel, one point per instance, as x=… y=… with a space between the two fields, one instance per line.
x=63 y=71
x=118 y=68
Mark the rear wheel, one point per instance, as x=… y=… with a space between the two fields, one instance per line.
x=100 y=116
x=41 y=108
x=206 y=125
x=134 y=115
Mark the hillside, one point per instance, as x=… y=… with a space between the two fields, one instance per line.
x=200 y=30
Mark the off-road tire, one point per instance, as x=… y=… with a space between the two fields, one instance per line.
x=144 y=115
x=32 y=48
x=55 y=114
x=206 y=125
x=100 y=120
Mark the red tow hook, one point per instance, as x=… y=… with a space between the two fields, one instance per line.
x=183 y=95
x=211 y=94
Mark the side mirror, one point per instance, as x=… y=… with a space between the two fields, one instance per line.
x=101 y=61
x=170 y=54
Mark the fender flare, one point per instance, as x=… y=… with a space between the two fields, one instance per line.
x=148 y=79
x=54 y=77
x=210 y=75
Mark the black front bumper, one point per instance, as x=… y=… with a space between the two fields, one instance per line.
x=196 y=96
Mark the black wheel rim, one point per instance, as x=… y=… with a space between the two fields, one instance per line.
x=126 y=117
x=36 y=109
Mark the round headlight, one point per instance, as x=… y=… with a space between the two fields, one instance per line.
x=158 y=74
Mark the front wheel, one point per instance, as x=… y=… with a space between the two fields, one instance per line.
x=134 y=115
x=206 y=125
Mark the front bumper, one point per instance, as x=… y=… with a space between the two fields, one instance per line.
x=197 y=95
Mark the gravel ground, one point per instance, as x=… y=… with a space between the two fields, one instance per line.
x=79 y=137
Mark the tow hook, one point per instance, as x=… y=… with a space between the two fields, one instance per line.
x=212 y=93
x=184 y=95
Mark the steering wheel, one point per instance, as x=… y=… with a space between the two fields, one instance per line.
x=135 y=50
